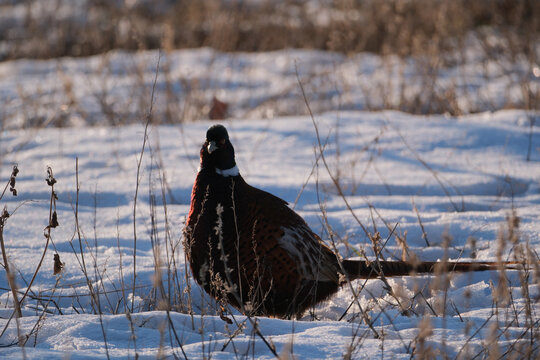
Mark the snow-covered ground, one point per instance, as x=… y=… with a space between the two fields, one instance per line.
x=465 y=175
x=114 y=88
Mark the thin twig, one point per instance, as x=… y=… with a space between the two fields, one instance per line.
x=9 y=274
x=424 y=235
x=139 y=162
x=338 y=187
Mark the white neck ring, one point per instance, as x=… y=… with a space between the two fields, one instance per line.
x=234 y=171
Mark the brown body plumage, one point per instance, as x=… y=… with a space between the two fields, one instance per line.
x=248 y=248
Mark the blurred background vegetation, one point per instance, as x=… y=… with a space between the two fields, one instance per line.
x=54 y=28
x=431 y=57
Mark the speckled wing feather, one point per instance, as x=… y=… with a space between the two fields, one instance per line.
x=288 y=233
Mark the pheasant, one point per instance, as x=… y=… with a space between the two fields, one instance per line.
x=246 y=247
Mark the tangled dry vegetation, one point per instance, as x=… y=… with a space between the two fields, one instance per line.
x=405 y=28
x=426 y=53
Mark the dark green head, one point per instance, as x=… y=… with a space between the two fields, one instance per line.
x=217 y=152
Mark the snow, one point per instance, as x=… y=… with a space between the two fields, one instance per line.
x=76 y=91
x=464 y=175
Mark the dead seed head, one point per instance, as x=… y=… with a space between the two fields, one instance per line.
x=472 y=243
x=58 y=265
x=219 y=223
x=50 y=177
x=54 y=220
x=14 y=173
x=446 y=240
x=3 y=218
x=5 y=213
x=513 y=220
x=425 y=329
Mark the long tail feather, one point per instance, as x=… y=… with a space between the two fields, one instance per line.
x=358 y=269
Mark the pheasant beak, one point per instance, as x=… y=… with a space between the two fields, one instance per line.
x=212 y=147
